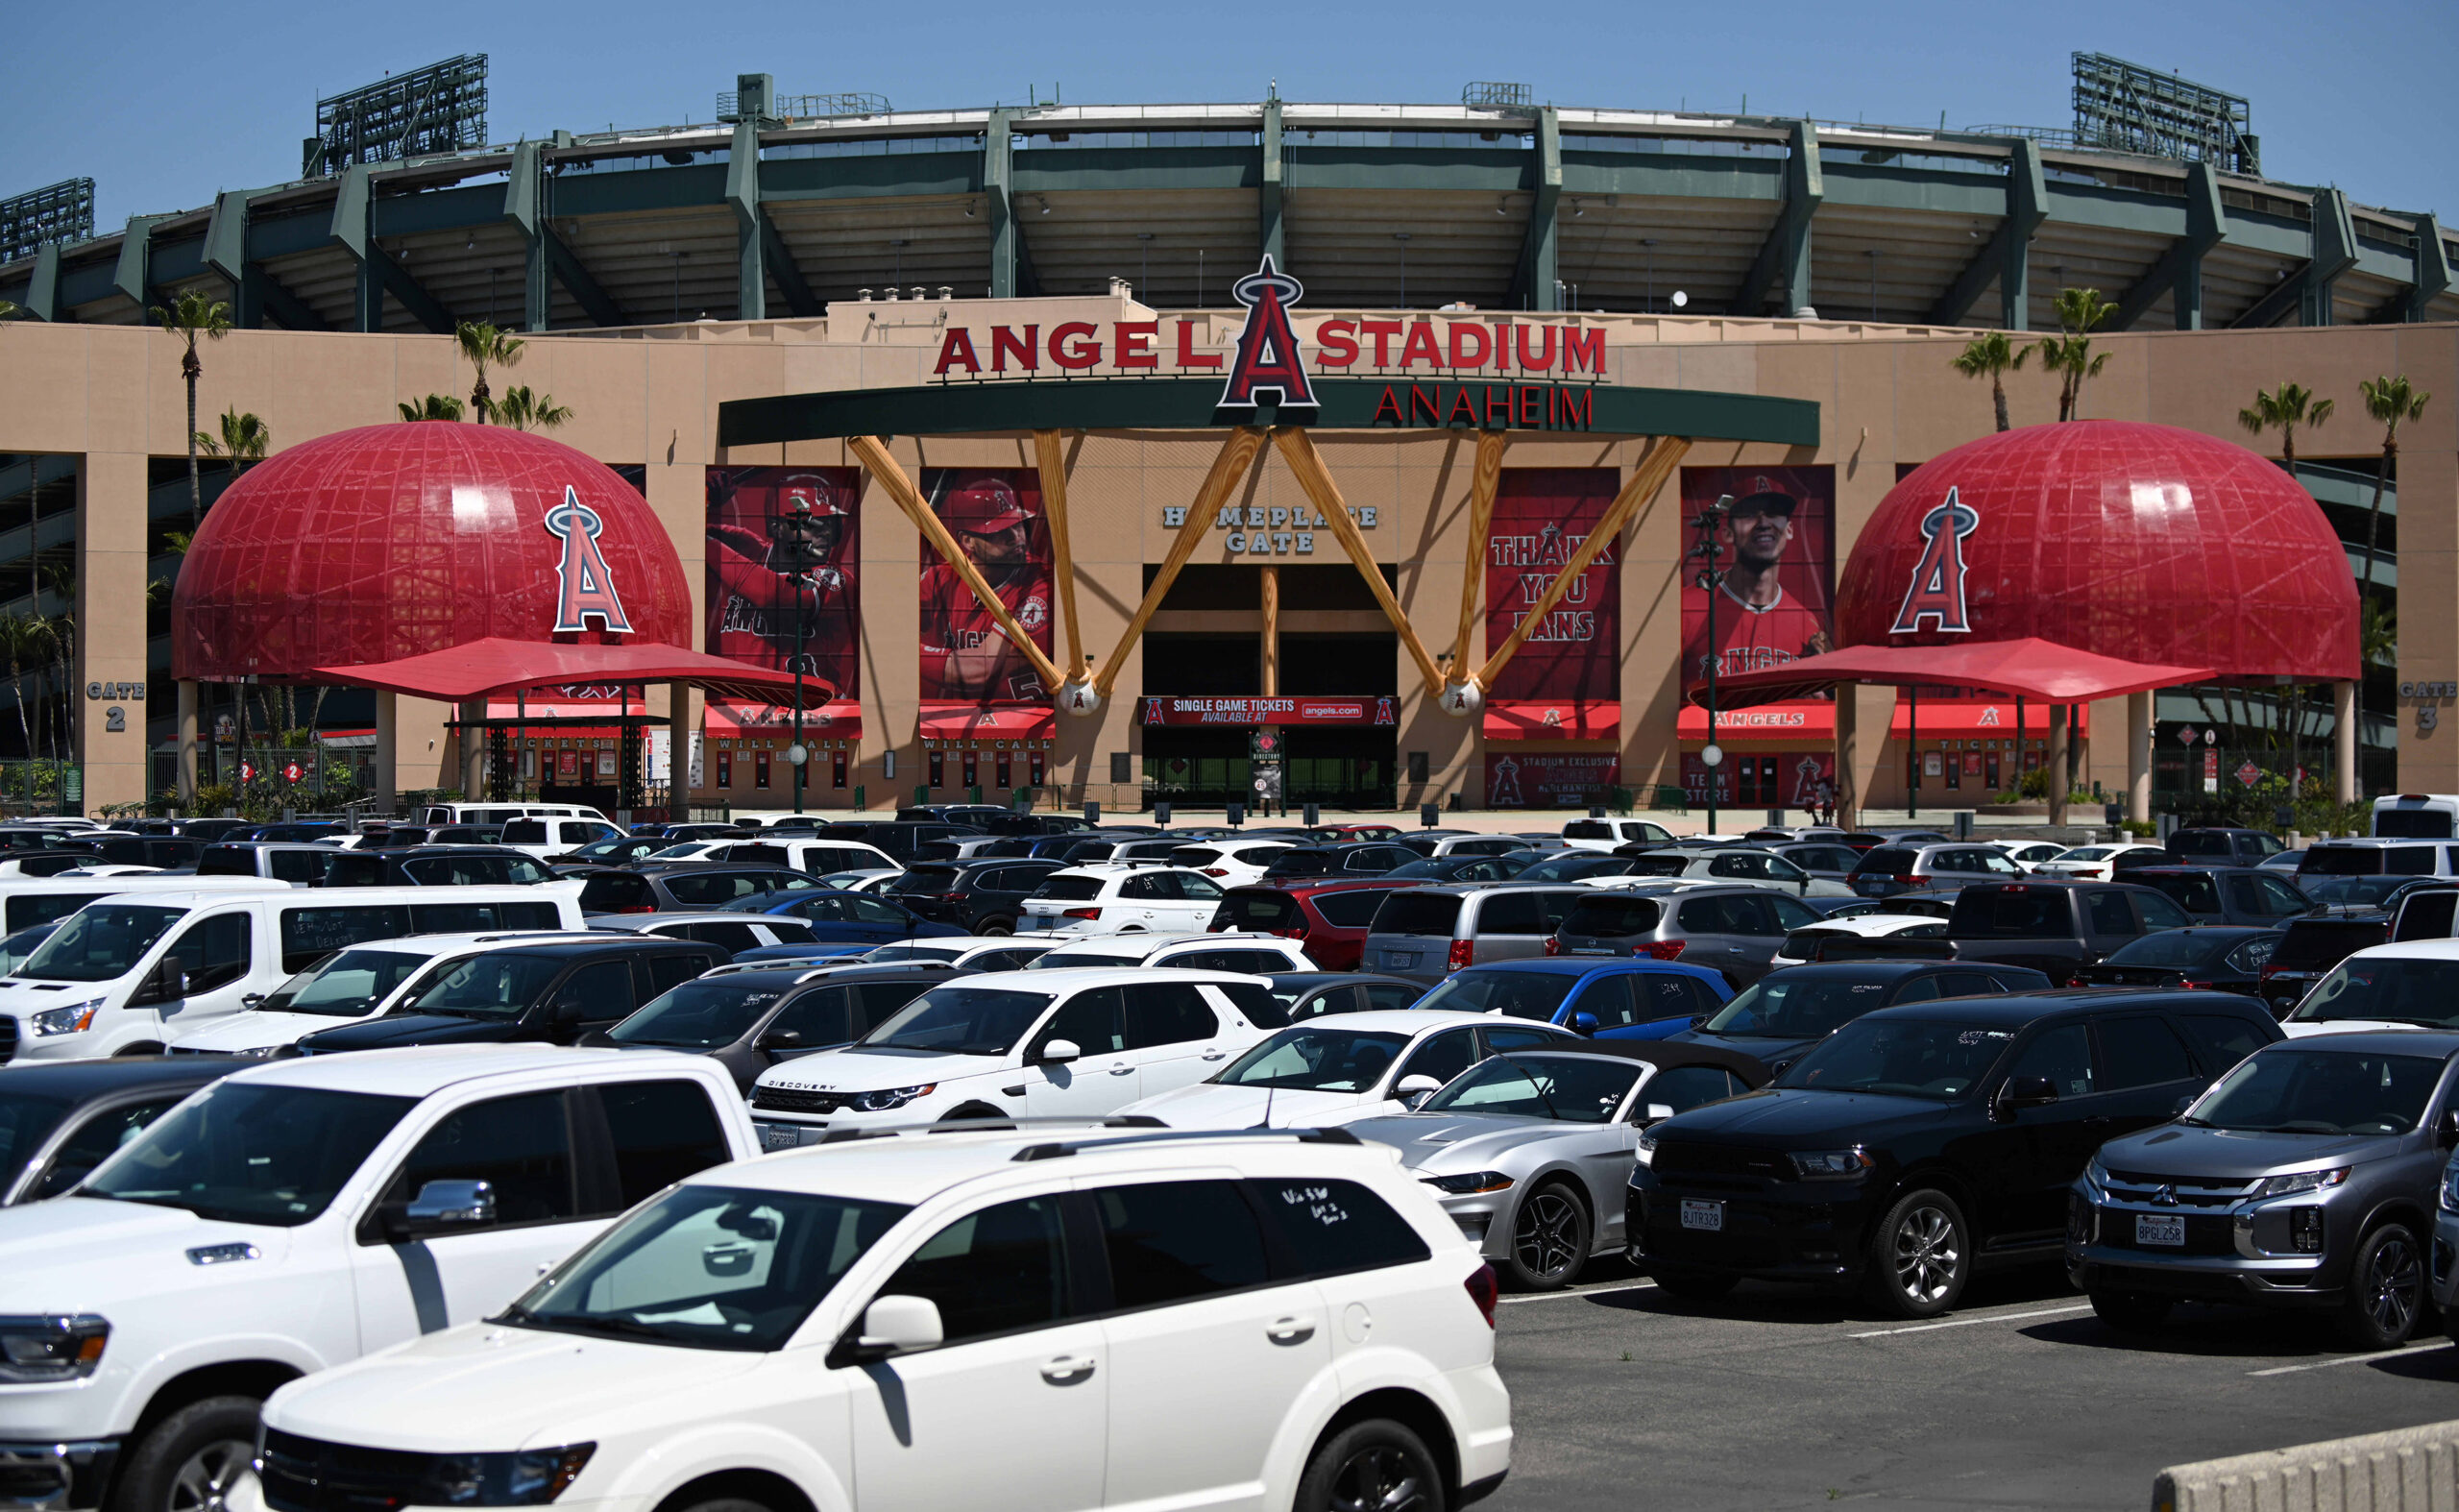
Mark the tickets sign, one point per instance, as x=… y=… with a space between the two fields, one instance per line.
x=1239 y=712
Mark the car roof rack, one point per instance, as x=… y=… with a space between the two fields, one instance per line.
x=989 y=1126
x=1064 y=1149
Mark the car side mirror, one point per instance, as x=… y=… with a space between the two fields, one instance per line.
x=892 y=1326
x=779 y=1039
x=442 y=1208
x=1584 y=1023
x=2025 y=1091
x=2445 y=1134
x=569 y=1008
x=1416 y=1089
x=1655 y=1113
x=166 y=983
x=1058 y=1052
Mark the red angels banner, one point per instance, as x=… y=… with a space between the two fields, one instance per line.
x=1541 y=514
x=996 y=515
x=753 y=516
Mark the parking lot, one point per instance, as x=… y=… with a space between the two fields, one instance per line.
x=1625 y=1398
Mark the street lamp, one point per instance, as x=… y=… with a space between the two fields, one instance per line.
x=797 y=532
x=1708 y=522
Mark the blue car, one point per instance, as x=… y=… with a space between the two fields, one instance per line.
x=845 y=917
x=1621 y=998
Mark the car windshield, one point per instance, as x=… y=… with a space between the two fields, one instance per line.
x=484 y=986
x=1516 y=994
x=2173 y=947
x=708 y=1267
x=1941 y=1058
x=911 y=952
x=959 y=1020
x=1573 y=867
x=1789 y=1006
x=349 y=986
x=99 y=943
x=25 y=1122
x=1573 y=1089
x=2290 y=1088
x=1316 y=1061
x=2343 y=892
x=20 y=948
x=249 y=1153
x=2403 y=990
x=702 y=1014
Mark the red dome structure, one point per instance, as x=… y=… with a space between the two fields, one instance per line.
x=394 y=541
x=2136 y=541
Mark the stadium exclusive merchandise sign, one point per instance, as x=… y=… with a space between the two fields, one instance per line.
x=1548 y=780
x=1249 y=712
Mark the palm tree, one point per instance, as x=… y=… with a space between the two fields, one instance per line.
x=2389 y=400
x=192 y=315
x=521 y=410
x=435 y=406
x=2080 y=312
x=1992 y=356
x=2283 y=409
x=24 y=641
x=244 y=439
x=486 y=347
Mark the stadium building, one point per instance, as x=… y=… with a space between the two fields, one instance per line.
x=1017 y=323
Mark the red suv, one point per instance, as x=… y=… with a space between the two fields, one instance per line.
x=1328 y=919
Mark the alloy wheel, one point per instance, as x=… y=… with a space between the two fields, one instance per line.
x=1545 y=1240
x=204 y=1480
x=2390 y=1286
x=1927 y=1256
x=1378 y=1478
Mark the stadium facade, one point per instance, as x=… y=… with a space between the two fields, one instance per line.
x=1789 y=293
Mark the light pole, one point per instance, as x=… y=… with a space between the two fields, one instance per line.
x=798 y=537
x=1708 y=522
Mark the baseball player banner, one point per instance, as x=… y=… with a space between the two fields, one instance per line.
x=1777 y=552
x=996 y=515
x=1541 y=514
x=777 y=535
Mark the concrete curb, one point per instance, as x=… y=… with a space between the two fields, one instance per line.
x=2407 y=1469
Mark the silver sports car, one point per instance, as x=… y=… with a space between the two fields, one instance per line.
x=1531 y=1152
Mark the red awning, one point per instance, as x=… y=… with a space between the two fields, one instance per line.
x=1534 y=719
x=499 y=665
x=2034 y=668
x=971 y=723
x=1811 y=719
x=1978 y=718
x=838 y=719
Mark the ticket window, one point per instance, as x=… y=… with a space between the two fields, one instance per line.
x=725 y=769
x=938 y=769
x=1007 y=771
x=760 y=768
x=1990 y=771
x=837 y=762
x=1955 y=771
x=1033 y=769
x=973 y=768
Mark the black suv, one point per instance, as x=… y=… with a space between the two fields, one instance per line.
x=1781 y=1015
x=685 y=885
x=2220 y=847
x=1371 y=857
x=2308 y=949
x=749 y=1019
x=1918 y=1143
x=2054 y=926
x=897 y=837
x=980 y=897
x=432 y=866
x=555 y=991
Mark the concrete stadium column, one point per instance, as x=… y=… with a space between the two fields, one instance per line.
x=111 y=529
x=683 y=708
x=187 y=747
x=1269 y=581
x=2055 y=765
x=1848 y=754
x=2343 y=743
x=388 y=770
x=2138 y=757
x=473 y=750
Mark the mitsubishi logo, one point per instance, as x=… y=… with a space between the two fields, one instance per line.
x=2164 y=1196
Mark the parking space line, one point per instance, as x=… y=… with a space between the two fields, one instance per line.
x=2351 y=1360
x=1966 y=1322
x=1581 y=1291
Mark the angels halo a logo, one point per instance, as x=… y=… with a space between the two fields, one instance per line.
x=1268 y=360
x=584 y=587
x=1936 y=590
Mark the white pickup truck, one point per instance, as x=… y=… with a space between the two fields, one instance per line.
x=297 y=1215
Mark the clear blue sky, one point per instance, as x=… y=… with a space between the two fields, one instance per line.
x=165 y=104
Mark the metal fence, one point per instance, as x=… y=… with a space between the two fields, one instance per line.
x=35 y=788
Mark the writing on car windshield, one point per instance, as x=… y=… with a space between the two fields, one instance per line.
x=2399 y=989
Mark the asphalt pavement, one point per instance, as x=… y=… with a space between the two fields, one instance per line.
x=1625 y=1397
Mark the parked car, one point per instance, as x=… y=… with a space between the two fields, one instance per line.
x=1109 y=900
x=1427 y=932
x=433 y=866
x=1336 y=1070
x=2029 y=853
x=845 y=917
x=2102 y=863
x=58 y=1122
x=749 y=1020
x=131 y=850
x=1613 y=999
x=654 y=887
x=898 y=838
x=2054 y=926
x=1608 y=834
x=2228 y=894
x=1916 y=1144
x=976 y=897
x=2362 y=894
x=2309 y=949
x=2410 y=986
x=1437 y=844
x=1329 y=917
x=930 y=1295
x=1042 y=1043
x=618 y=850
x=1780 y=1016
x=1887 y=870
x=968 y=952
x=2287 y=860
x=2306 y=1180
x=1528 y=1152
x=1231 y=863
x=1249 y=953
x=1866 y=936
x=1584 y=866
x=504 y=812
x=1732 y=929
x=1867 y=840
x=551 y=838
x=812 y=857
x=1741 y=864
x=1830 y=860
x=1357 y=859
x=732 y=933
x=293 y=1216
x=2223 y=846
x=1463 y=866
x=301 y=864
x=524 y=991
x=1312 y=994
x=349 y=985
x=2218 y=957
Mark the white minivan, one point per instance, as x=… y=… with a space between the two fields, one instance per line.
x=130 y=972
x=505 y=812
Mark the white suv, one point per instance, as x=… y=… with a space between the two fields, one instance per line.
x=1231 y=863
x=1045 y=1044
x=1111 y=899
x=1249 y=952
x=361 y=982
x=293 y=1216
x=1030 y=1319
